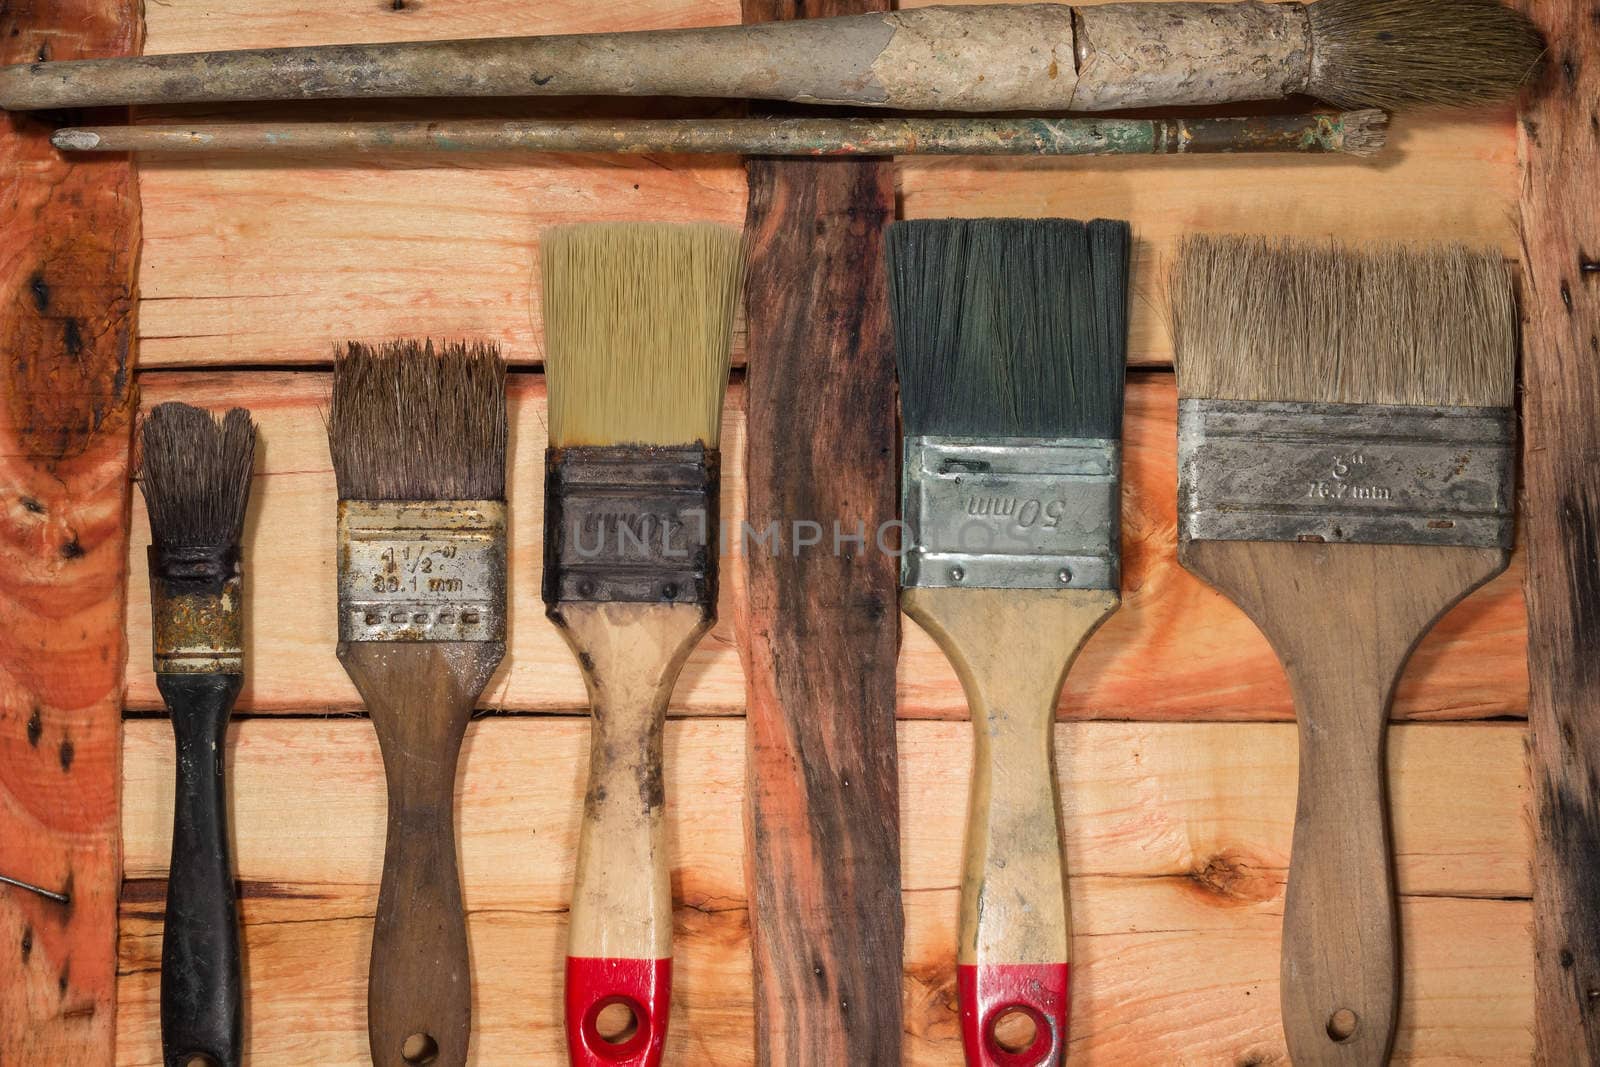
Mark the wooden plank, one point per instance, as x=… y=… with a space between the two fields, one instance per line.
x=1561 y=301
x=1178 y=836
x=1176 y=650
x=68 y=259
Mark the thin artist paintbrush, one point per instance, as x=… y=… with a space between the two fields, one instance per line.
x=638 y=335
x=1345 y=476
x=419 y=452
x=195 y=472
x=1358 y=133
x=1012 y=57
x=1011 y=339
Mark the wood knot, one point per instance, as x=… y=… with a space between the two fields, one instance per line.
x=1234 y=879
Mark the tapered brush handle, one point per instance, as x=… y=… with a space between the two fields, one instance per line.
x=201 y=991
x=1343 y=620
x=619 y=943
x=1011 y=649
x=419 y=989
x=1013 y=57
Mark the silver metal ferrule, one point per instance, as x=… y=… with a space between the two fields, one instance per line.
x=1012 y=513
x=1359 y=473
x=427 y=570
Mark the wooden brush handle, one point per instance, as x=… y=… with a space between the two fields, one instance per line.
x=1011 y=649
x=201 y=991
x=1343 y=619
x=619 y=945
x=419 y=989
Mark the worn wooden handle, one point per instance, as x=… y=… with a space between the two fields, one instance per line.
x=419 y=989
x=619 y=944
x=201 y=990
x=1343 y=619
x=1011 y=649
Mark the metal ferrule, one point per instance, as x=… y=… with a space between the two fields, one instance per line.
x=630 y=524
x=1012 y=513
x=197 y=610
x=1358 y=473
x=422 y=570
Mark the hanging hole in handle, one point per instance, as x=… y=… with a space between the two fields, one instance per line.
x=616 y=1027
x=419 y=1049
x=200 y=1059
x=1342 y=1024
x=616 y=1023
x=1017 y=1035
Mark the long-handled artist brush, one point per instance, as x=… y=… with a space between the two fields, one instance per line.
x=1011 y=340
x=419 y=451
x=1012 y=57
x=195 y=473
x=1359 y=133
x=1345 y=477
x=638 y=332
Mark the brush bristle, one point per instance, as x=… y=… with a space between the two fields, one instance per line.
x=1010 y=327
x=1419 y=53
x=407 y=423
x=638 y=325
x=1261 y=320
x=195 y=473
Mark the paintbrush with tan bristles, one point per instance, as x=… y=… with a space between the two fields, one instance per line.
x=1345 y=436
x=195 y=472
x=638 y=335
x=419 y=452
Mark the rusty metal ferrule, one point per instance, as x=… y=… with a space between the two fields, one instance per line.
x=422 y=570
x=197 y=610
x=631 y=524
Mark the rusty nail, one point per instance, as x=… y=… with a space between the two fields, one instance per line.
x=59 y=898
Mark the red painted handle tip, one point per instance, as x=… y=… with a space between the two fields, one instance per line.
x=594 y=984
x=990 y=992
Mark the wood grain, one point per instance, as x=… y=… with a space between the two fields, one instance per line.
x=69 y=238
x=818 y=629
x=1344 y=627
x=1178 y=836
x=1561 y=338
x=1176 y=650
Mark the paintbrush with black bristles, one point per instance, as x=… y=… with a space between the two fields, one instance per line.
x=1011 y=338
x=195 y=472
x=1345 y=450
x=638 y=335
x=419 y=453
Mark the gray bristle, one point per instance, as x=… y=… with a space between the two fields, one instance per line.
x=1419 y=53
x=195 y=472
x=1315 y=322
x=1010 y=327
x=407 y=423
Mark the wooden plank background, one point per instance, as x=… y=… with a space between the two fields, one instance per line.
x=1177 y=761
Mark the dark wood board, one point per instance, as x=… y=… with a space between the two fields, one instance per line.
x=821 y=635
x=69 y=240
x=1561 y=374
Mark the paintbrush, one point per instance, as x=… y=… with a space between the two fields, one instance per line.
x=1345 y=477
x=1359 y=133
x=638 y=335
x=419 y=449
x=195 y=473
x=1012 y=57
x=1011 y=338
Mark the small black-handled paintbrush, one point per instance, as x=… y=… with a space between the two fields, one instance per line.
x=1011 y=337
x=419 y=454
x=195 y=473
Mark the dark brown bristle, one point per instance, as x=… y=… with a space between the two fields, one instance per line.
x=195 y=473
x=1395 y=54
x=407 y=423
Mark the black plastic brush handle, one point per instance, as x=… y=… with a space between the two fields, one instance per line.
x=201 y=989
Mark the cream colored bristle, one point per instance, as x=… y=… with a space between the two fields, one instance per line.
x=1316 y=322
x=638 y=326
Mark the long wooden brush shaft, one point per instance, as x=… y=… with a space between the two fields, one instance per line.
x=1011 y=649
x=1016 y=57
x=1354 y=132
x=619 y=942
